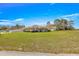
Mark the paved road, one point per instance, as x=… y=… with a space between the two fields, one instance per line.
x=16 y=53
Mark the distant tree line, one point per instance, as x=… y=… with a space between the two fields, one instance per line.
x=17 y=26
x=60 y=24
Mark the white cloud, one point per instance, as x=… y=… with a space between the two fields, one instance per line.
x=71 y=15
x=11 y=22
x=5 y=23
x=4 y=20
x=52 y=4
x=19 y=19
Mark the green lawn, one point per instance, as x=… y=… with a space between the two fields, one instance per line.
x=51 y=42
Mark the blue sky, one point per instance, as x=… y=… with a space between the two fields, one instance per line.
x=37 y=13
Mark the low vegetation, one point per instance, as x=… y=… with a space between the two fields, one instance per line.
x=49 y=42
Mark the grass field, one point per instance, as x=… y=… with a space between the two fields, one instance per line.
x=49 y=42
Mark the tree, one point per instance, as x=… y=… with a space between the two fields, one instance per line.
x=70 y=25
x=57 y=24
x=19 y=26
x=63 y=24
x=48 y=23
x=4 y=28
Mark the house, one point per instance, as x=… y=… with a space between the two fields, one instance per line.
x=16 y=30
x=36 y=28
x=51 y=27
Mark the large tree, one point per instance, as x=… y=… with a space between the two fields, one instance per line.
x=57 y=24
x=70 y=25
x=63 y=24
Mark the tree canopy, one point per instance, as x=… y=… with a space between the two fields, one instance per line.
x=63 y=24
